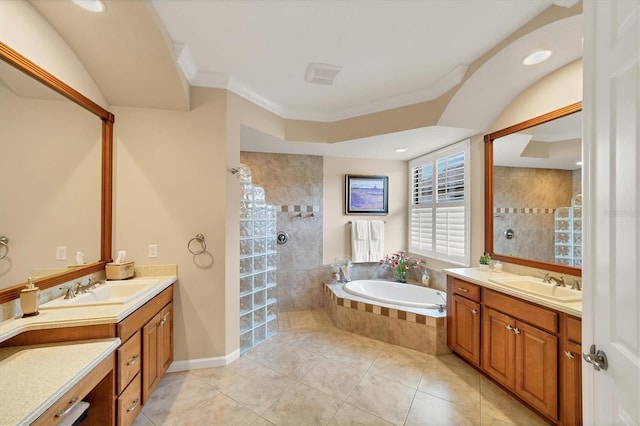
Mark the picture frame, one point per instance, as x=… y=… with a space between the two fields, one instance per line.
x=366 y=194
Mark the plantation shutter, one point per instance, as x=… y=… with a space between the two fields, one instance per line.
x=438 y=213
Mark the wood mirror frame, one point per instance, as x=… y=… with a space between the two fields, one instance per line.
x=25 y=65
x=488 y=191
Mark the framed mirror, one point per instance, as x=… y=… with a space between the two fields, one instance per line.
x=533 y=192
x=57 y=197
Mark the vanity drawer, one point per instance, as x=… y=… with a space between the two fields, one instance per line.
x=525 y=311
x=466 y=289
x=129 y=361
x=130 y=403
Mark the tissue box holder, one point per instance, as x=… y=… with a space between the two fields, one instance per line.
x=119 y=271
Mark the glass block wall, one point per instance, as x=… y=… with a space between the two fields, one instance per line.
x=568 y=233
x=258 y=263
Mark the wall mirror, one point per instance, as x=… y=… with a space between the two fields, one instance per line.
x=533 y=192
x=57 y=173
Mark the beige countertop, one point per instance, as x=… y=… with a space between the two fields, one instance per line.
x=79 y=316
x=32 y=378
x=482 y=278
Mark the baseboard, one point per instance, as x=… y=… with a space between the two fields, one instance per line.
x=196 y=364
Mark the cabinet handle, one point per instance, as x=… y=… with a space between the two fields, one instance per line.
x=515 y=330
x=508 y=327
x=474 y=312
x=133 y=359
x=464 y=290
x=163 y=320
x=568 y=355
x=135 y=404
x=72 y=403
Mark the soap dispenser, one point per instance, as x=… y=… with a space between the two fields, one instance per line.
x=30 y=299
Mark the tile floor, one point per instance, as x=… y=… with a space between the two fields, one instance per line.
x=312 y=373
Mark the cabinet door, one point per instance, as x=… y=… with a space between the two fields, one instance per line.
x=465 y=335
x=571 y=384
x=157 y=344
x=537 y=368
x=150 y=371
x=165 y=343
x=499 y=346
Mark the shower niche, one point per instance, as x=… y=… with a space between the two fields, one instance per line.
x=258 y=264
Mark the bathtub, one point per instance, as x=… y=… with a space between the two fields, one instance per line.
x=397 y=293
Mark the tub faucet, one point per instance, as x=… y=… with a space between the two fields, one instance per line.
x=344 y=274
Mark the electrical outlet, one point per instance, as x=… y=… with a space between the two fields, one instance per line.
x=153 y=250
x=61 y=253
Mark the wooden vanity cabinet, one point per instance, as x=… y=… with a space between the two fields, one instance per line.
x=463 y=323
x=145 y=354
x=531 y=350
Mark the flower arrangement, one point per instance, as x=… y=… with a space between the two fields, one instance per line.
x=401 y=263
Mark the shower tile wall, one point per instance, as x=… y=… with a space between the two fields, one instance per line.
x=293 y=183
x=524 y=200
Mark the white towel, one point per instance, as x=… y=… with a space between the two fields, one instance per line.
x=360 y=237
x=376 y=242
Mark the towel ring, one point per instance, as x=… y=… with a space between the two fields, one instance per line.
x=4 y=247
x=199 y=238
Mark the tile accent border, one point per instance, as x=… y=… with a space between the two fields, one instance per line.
x=523 y=210
x=295 y=208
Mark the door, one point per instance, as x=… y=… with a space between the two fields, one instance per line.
x=611 y=305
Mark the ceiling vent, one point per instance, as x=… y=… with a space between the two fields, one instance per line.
x=321 y=73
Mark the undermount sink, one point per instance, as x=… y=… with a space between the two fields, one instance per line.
x=109 y=293
x=535 y=286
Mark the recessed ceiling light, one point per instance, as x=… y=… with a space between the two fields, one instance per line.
x=537 y=57
x=401 y=150
x=90 y=5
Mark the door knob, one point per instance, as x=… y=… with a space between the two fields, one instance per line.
x=597 y=359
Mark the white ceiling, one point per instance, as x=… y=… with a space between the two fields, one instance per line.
x=393 y=53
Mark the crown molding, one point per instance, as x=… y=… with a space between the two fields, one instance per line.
x=199 y=78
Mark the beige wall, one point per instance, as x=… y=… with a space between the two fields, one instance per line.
x=170 y=169
x=336 y=232
x=559 y=89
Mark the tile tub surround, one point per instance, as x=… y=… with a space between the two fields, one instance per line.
x=24 y=395
x=423 y=330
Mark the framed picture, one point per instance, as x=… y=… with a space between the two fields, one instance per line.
x=366 y=194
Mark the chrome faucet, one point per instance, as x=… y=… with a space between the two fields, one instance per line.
x=70 y=292
x=577 y=285
x=83 y=288
x=344 y=274
x=558 y=280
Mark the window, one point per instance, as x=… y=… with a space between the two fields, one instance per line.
x=439 y=204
